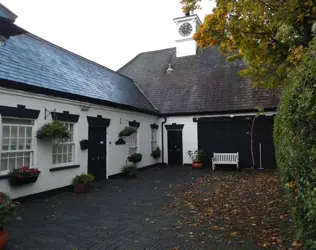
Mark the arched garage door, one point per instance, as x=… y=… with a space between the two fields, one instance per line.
x=231 y=135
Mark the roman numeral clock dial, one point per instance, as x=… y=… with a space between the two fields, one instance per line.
x=185 y=29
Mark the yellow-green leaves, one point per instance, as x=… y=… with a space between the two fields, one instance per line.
x=269 y=34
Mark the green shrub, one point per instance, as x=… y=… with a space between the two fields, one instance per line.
x=130 y=170
x=295 y=141
x=197 y=156
x=83 y=179
x=7 y=209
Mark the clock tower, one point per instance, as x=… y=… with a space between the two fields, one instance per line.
x=186 y=27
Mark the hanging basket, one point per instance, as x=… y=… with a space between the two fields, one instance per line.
x=127 y=131
x=135 y=158
x=156 y=153
x=54 y=130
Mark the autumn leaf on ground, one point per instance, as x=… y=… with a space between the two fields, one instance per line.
x=297 y=243
x=215 y=228
x=245 y=204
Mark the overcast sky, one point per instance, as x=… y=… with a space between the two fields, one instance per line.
x=108 y=32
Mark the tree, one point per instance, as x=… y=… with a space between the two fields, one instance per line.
x=269 y=35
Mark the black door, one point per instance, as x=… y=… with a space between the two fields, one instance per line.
x=97 y=152
x=175 y=152
x=225 y=136
x=263 y=134
x=231 y=135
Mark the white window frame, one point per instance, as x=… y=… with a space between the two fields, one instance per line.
x=133 y=143
x=62 y=144
x=154 y=139
x=17 y=151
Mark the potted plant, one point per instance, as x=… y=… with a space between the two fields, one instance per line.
x=134 y=158
x=54 y=130
x=130 y=170
x=82 y=183
x=7 y=212
x=197 y=158
x=25 y=175
x=127 y=131
x=156 y=153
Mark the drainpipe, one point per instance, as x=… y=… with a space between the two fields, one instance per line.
x=162 y=142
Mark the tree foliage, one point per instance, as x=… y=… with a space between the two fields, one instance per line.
x=269 y=35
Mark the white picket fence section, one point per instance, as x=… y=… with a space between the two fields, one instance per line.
x=225 y=158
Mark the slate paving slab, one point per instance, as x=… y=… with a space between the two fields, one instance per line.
x=119 y=214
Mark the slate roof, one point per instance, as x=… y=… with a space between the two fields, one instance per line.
x=205 y=82
x=30 y=60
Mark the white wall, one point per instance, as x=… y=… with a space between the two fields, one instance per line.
x=190 y=132
x=116 y=154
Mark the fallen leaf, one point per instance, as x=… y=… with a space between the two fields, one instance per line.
x=215 y=228
x=297 y=243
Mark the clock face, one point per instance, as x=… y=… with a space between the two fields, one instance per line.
x=185 y=29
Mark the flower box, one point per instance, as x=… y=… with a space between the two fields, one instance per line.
x=25 y=175
x=15 y=181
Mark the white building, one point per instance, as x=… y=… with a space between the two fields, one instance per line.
x=179 y=99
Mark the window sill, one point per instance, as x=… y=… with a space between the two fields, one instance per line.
x=63 y=168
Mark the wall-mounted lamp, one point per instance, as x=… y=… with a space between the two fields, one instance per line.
x=170 y=69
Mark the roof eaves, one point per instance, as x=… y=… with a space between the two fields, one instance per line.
x=188 y=17
x=50 y=92
x=218 y=112
x=9 y=12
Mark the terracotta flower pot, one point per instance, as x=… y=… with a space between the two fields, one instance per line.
x=4 y=238
x=197 y=165
x=81 y=188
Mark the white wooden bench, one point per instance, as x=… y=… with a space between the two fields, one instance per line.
x=225 y=158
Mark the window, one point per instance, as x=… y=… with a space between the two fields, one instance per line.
x=153 y=139
x=133 y=143
x=16 y=143
x=64 y=152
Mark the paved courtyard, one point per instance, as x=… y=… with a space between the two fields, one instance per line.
x=119 y=214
